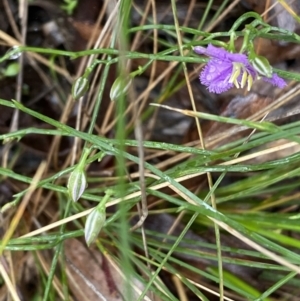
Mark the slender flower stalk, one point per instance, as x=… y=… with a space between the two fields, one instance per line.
x=226 y=70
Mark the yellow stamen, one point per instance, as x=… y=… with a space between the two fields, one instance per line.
x=244 y=79
x=235 y=74
x=249 y=81
x=236 y=84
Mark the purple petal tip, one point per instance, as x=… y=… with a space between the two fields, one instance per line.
x=199 y=50
x=276 y=80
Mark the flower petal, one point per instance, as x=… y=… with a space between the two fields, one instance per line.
x=212 y=51
x=221 y=54
x=275 y=80
x=215 y=76
x=219 y=87
x=199 y=50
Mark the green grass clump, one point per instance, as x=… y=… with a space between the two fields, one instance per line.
x=207 y=218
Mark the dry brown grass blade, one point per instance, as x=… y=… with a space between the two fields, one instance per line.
x=14 y=223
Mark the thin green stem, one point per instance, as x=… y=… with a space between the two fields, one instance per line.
x=57 y=253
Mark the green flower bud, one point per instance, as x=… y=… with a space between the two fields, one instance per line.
x=120 y=87
x=77 y=183
x=262 y=65
x=94 y=224
x=79 y=88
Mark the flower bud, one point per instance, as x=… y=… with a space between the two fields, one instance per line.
x=76 y=183
x=94 y=224
x=14 y=52
x=80 y=86
x=262 y=65
x=119 y=87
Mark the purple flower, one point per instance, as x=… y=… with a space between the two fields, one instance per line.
x=225 y=70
